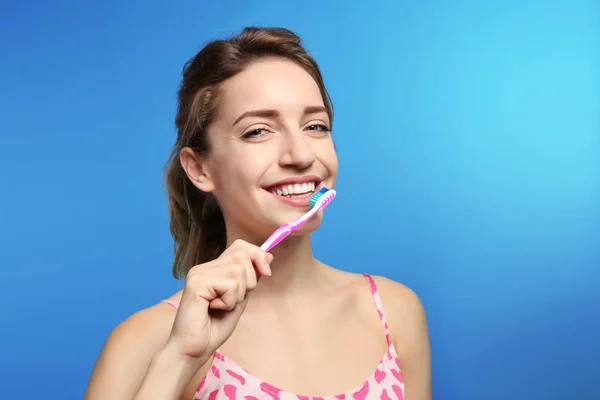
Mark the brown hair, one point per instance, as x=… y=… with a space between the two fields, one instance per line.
x=196 y=221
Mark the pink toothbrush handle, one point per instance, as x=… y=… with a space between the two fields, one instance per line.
x=281 y=233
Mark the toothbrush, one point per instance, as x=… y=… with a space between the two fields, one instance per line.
x=319 y=201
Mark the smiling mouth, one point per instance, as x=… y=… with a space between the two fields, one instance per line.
x=295 y=191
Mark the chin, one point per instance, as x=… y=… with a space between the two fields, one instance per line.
x=306 y=229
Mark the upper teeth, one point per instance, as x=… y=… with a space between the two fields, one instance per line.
x=298 y=188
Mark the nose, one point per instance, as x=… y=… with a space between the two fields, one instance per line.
x=297 y=152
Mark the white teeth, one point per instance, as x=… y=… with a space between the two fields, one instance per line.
x=297 y=190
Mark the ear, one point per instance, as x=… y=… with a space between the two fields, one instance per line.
x=196 y=169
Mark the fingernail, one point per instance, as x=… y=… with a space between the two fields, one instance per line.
x=268 y=268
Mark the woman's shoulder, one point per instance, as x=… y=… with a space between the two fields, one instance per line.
x=151 y=324
x=402 y=307
x=132 y=344
x=393 y=292
x=407 y=323
x=148 y=329
x=396 y=295
x=398 y=300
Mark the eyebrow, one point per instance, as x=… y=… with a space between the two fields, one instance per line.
x=274 y=113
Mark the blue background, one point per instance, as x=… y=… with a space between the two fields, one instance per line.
x=479 y=120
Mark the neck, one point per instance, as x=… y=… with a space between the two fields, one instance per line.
x=294 y=266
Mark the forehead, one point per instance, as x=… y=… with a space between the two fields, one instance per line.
x=269 y=83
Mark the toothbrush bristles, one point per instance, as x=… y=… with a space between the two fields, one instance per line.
x=313 y=200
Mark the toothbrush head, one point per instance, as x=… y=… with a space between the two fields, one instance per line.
x=318 y=195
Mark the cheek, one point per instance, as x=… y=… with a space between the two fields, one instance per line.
x=329 y=159
x=240 y=169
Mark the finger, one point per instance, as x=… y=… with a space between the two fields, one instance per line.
x=229 y=293
x=239 y=273
x=217 y=304
x=266 y=263
x=238 y=266
x=250 y=275
x=257 y=255
x=208 y=288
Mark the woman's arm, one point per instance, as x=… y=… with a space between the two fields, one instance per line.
x=408 y=328
x=137 y=364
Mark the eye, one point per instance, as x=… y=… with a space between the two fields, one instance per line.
x=321 y=128
x=253 y=133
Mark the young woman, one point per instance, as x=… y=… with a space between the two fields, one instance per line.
x=254 y=141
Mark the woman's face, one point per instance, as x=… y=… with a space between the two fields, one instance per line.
x=270 y=148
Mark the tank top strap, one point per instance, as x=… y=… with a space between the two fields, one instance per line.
x=171 y=303
x=379 y=306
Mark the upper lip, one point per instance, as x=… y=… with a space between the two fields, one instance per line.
x=292 y=180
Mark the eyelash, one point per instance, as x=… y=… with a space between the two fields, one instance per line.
x=322 y=128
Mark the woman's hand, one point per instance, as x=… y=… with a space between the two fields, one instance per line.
x=214 y=298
